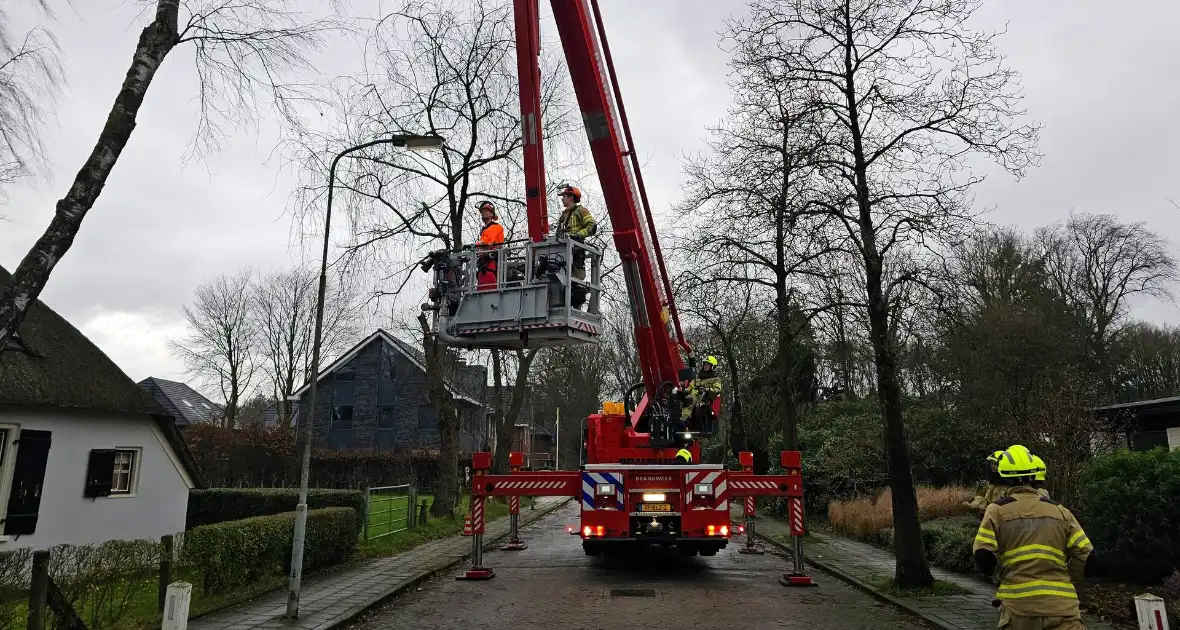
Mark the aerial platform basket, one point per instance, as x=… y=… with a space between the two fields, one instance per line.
x=535 y=301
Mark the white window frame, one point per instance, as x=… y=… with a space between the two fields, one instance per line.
x=6 y=466
x=133 y=478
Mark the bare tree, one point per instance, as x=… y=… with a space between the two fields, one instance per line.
x=908 y=93
x=219 y=350
x=506 y=416
x=283 y=306
x=753 y=186
x=31 y=78
x=728 y=311
x=445 y=68
x=1099 y=264
x=242 y=50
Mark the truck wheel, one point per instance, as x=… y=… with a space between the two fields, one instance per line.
x=591 y=549
x=709 y=551
x=688 y=550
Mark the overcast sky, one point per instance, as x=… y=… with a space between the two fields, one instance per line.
x=1101 y=79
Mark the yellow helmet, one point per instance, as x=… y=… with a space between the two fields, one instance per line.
x=995 y=457
x=685 y=455
x=1016 y=462
x=711 y=360
x=1040 y=464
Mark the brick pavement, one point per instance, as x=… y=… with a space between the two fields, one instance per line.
x=863 y=564
x=554 y=585
x=329 y=600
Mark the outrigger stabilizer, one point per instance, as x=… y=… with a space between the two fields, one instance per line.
x=744 y=483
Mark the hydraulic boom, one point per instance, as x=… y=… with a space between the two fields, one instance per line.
x=634 y=484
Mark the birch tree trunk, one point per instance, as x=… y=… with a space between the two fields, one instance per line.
x=29 y=278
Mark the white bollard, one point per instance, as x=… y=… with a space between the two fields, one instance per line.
x=1151 y=612
x=176 y=605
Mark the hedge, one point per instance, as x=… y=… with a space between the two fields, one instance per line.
x=235 y=554
x=1128 y=507
x=262 y=457
x=947 y=540
x=218 y=505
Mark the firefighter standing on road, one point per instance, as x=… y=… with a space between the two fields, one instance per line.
x=1038 y=548
x=490 y=238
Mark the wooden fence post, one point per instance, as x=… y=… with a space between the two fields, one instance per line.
x=38 y=590
x=165 y=572
x=411 y=513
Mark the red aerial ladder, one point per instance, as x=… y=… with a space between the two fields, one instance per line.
x=631 y=487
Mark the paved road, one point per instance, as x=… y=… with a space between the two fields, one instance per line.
x=553 y=585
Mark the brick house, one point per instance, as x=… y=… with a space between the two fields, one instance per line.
x=375 y=397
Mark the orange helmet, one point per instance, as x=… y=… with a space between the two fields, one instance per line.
x=486 y=205
x=573 y=191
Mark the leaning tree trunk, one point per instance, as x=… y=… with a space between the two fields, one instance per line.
x=30 y=277
x=911 y=568
x=446 y=485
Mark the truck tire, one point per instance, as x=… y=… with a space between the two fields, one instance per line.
x=591 y=549
x=687 y=550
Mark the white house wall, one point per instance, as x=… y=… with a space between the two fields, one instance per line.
x=157 y=507
x=1173 y=438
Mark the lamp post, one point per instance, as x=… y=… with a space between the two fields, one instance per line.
x=410 y=141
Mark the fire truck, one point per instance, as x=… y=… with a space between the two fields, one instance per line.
x=630 y=486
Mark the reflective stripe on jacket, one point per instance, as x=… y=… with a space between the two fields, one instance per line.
x=577 y=221
x=1041 y=549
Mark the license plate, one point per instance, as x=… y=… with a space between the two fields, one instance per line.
x=655 y=507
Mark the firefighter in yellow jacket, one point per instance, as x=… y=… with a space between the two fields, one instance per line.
x=577 y=223
x=1037 y=546
x=991 y=490
x=1039 y=478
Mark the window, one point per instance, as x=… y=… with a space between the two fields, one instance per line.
x=14 y=343
x=386 y=395
x=427 y=417
x=386 y=417
x=343 y=397
x=123 y=478
x=341 y=418
x=112 y=472
x=388 y=363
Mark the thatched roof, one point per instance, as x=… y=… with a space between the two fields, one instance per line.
x=54 y=366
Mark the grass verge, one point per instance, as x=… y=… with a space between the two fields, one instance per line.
x=938 y=589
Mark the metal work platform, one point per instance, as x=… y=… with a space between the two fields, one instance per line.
x=536 y=300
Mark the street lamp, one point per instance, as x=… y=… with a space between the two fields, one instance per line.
x=413 y=142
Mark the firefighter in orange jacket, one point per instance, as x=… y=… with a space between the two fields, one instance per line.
x=490 y=238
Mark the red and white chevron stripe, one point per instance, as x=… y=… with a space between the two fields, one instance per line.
x=715 y=477
x=752 y=484
x=514 y=504
x=795 y=506
x=750 y=504
x=533 y=484
x=477 y=515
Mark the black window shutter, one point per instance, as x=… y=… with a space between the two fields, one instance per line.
x=100 y=473
x=28 y=476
